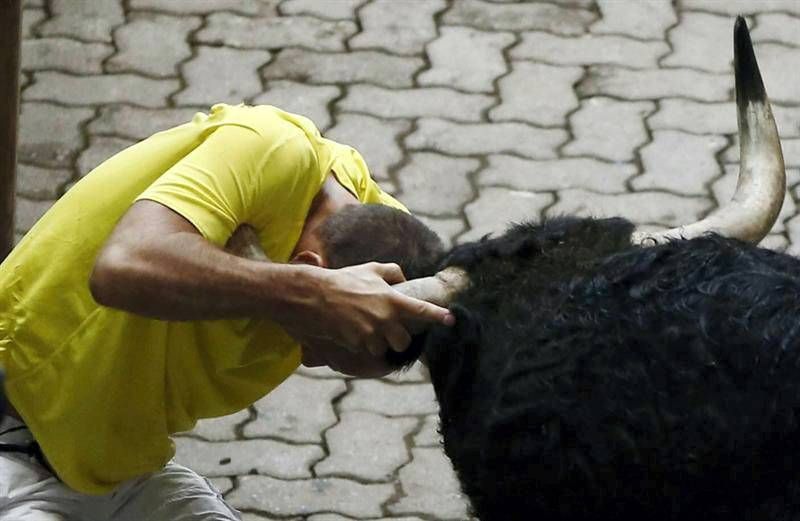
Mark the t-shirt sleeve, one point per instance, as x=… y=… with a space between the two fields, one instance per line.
x=237 y=176
x=375 y=195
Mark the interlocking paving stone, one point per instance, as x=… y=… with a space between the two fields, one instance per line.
x=428 y=435
x=324 y=373
x=221 y=429
x=310 y=101
x=260 y=7
x=519 y=17
x=232 y=458
x=340 y=9
x=137 y=52
x=234 y=78
x=496 y=208
x=374 y=138
x=609 y=129
x=95 y=90
x=100 y=148
x=586 y=4
x=357 y=66
x=223 y=485
x=50 y=135
x=64 y=54
x=418 y=102
x=537 y=93
x=430 y=487
x=649 y=19
x=30 y=18
x=588 y=50
x=447 y=229
x=280 y=416
x=250 y=516
x=484 y=138
x=271 y=33
x=792 y=177
x=466 y=58
x=366 y=446
x=303 y=497
x=138 y=123
x=641 y=207
x=702 y=41
x=774 y=241
x=389 y=186
x=556 y=174
x=695 y=117
x=716 y=118
x=335 y=517
x=777 y=27
x=779 y=65
x=731 y=154
x=41 y=183
x=417 y=373
x=793 y=231
x=656 y=83
x=735 y=7
x=29 y=211
x=397 y=26
x=427 y=176
x=725 y=185
x=679 y=162
x=791 y=152
x=83 y=19
x=390 y=399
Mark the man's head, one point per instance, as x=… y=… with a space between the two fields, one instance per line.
x=357 y=234
x=376 y=233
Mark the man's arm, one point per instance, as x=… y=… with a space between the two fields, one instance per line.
x=157 y=264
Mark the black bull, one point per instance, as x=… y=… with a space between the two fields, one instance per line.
x=588 y=378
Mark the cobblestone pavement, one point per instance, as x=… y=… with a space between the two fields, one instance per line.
x=473 y=112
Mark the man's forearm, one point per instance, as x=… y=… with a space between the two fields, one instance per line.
x=183 y=277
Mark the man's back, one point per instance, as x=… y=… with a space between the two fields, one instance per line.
x=96 y=384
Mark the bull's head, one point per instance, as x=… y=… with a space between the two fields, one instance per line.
x=748 y=216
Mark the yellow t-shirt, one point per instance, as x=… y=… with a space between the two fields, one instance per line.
x=103 y=389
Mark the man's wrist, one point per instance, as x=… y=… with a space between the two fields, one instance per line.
x=290 y=290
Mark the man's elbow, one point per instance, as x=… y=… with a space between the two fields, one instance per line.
x=107 y=277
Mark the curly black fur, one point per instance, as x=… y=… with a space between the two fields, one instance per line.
x=591 y=379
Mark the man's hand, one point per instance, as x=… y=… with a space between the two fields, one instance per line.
x=357 y=309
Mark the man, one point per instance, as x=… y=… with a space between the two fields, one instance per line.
x=123 y=320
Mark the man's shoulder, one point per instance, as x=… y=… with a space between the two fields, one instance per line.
x=268 y=121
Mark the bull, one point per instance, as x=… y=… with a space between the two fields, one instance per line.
x=600 y=372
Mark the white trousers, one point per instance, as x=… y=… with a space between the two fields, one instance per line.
x=30 y=492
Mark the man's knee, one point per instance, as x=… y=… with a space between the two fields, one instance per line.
x=175 y=493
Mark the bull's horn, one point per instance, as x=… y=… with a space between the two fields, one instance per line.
x=438 y=289
x=762 y=178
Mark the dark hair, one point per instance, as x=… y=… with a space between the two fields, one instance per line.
x=373 y=232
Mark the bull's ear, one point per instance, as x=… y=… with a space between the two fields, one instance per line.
x=601 y=235
x=614 y=232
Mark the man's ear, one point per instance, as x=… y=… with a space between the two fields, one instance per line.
x=310 y=257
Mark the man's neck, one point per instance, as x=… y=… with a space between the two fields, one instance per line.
x=331 y=198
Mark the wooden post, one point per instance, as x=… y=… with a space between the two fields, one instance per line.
x=10 y=23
